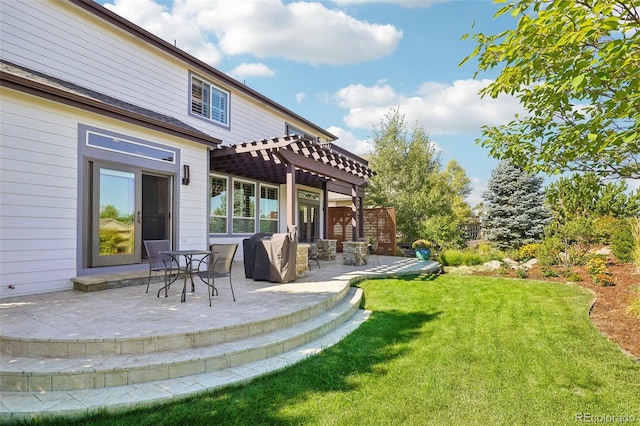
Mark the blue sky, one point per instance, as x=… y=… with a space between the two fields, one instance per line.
x=344 y=64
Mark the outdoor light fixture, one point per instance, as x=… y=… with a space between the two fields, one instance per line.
x=186 y=174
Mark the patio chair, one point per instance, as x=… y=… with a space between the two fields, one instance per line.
x=217 y=264
x=313 y=255
x=161 y=262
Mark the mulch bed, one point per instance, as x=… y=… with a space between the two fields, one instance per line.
x=609 y=313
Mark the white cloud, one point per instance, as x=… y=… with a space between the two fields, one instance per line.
x=404 y=3
x=358 y=96
x=301 y=31
x=439 y=108
x=175 y=28
x=348 y=141
x=633 y=184
x=251 y=70
x=300 y=97
x=478 y=186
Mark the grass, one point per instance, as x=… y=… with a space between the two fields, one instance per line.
x=455 y=350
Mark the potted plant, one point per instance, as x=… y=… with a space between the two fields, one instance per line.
x=422 y=248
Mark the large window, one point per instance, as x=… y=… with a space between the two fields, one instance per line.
x=209 y=101
x=244 y=207
x=218 y=206
x=268 y=209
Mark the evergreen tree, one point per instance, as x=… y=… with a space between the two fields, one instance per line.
x=514 y=210
x=587 y=195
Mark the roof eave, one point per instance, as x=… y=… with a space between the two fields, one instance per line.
x=16 y=82
x=109 y=16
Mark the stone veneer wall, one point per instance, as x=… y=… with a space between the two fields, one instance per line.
x=302 y=260
x=354 y=253
x=327 y=249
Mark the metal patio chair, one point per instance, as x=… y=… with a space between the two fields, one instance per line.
x=161 y=262
x=217 y=264
x=313 y=255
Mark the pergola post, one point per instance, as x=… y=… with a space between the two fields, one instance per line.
x=354 y=212
x=361 y=217
x=291 y=195
x=325 y=211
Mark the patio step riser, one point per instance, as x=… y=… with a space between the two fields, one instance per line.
x=182 y=365
x=152 y=344
x=90 y=283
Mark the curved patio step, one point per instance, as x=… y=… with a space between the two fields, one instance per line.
x=143 y=345
x=25 y=405
x=46 y=374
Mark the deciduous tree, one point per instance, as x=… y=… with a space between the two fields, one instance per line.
x=575 y=67
x=429 y=201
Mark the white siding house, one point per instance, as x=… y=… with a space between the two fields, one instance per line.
x=104 y=143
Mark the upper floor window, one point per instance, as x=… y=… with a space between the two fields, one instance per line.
x=209 y=101
x=292 y=130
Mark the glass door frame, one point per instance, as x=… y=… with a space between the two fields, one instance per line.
x=98 y=259
x=305 y=201
x=154 y=164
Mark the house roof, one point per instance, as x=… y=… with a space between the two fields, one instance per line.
x=268 y=159
x=40 y=84
x=117 y=20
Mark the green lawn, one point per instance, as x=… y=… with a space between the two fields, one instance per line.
x=443 y=350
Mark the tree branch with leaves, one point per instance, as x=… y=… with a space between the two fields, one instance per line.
x=575 y=67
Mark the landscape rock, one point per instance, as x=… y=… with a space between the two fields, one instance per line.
x=494 y=264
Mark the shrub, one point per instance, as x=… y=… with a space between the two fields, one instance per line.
x=634 y=309
x=528 y=251
x=460 y=257
x=549 y=251
x=604 y=280
x=503 y=269
x=635 y=231
x=569 y=274
x=622 y=242
x=597 y=268
x=521 y=272
x=489 y=252
x=603 y=227
x=548 y=272
x=596 y=265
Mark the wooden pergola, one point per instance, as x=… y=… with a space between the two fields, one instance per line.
x=295 y=160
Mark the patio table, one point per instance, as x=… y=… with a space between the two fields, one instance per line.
x=188 y=266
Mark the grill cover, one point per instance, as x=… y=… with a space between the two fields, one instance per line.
x=274 y=258
x=249 y=250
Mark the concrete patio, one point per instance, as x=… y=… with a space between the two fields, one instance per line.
x=71 y=352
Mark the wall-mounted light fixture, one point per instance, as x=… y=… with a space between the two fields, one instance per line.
x=186 y=174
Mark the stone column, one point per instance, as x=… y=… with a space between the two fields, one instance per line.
x=355 y=253
x=327 y=249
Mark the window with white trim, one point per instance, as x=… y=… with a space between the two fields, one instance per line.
x=209 y=101
x=244 y=207
x=268 y=209
x=292 y=130
x=218 y=205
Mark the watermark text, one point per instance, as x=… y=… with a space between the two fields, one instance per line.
x=606 y=418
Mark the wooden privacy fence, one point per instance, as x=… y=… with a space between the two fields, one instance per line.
x=379 y=222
